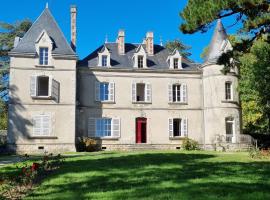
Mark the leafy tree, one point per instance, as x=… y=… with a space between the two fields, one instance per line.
x=177 y=44
x=8 y=32
x=254 y=87
x=251 y=50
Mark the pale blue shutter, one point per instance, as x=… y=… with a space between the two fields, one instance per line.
x=184 y=93
x=148 y=93
x=170 y=93
x=97 y=91
x=111 y=91
x=33 y=86
x=55 y=90
x=134 y=93
x=116 y=127
x=91 y=127
x=170 y=127
x=184 y=127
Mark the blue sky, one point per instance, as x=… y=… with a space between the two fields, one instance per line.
x=98 y=18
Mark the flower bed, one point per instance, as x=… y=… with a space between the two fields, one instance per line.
x=27 y=175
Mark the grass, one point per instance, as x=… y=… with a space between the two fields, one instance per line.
x=156 y=175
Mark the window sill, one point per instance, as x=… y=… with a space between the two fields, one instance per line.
x=109 y=138
x=229 y=101
x=178 y=138
x=106 y=102
x=178 y=103
x=141 y=102
x=44 y=66
x=42 y=97
x=43 y=137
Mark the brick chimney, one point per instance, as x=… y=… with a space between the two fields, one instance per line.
x=150 y=43
x=73 y=15
x=121 y=42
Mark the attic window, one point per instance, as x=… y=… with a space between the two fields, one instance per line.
x=43 y=55
x=104 y=60
x=140 y=61
x=175 y=63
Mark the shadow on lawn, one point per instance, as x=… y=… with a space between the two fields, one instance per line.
x=157 y=176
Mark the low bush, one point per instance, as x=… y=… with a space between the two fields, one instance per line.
x=189 y=144
x=88 y=144
x=256 y=153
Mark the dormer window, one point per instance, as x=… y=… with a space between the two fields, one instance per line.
x=104 y=60
x=140 y=61
x=174 y=60
x=175 y=63
x=104 y=57
x=43 y=55
x=139 y=58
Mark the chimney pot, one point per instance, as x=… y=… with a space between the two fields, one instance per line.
x=73 y=15
x=121 y=42
x=150 y=43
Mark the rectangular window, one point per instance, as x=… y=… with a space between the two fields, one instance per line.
x=228 y=91
x=176 y=127
x=140 y=88
x=140 y=61
x=41 y=125
x=103 y=127
x=175 y=63
x=104 y=91
x=43 y=86
x=43 y=56
x=229 y=126
x=104 y=60
x=176 y=93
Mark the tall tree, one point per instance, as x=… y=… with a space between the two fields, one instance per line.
x=251 y=48
x=8 y=32
x=177 y=44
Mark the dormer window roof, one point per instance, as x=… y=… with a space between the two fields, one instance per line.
x=174 y=60
x=139 y=58
x=104 y=57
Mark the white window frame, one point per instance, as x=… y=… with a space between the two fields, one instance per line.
x=53 y=87
x=111 y=92
x=147 y=92
x=42 y=60
x=230 y=92
x=183 y=127
x=140 y=61
x=104 y=60
x=41 y=129
x=115 y=128
x=183 y=93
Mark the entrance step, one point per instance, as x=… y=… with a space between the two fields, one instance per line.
x=141 y=147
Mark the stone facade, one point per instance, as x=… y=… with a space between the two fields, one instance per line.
x=131 y=96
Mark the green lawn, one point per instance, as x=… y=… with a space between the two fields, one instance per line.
x=157 y=175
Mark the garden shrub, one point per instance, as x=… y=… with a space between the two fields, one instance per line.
x=256 y=153
x=88 y=144
x=189 y=144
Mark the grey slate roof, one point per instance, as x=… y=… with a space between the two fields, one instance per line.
x=44 y=22
x=157 y=61
x=219 y=36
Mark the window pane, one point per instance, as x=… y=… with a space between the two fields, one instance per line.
x=228 y=90
x=104 y=60
x=140 y=61
x=140 y=91
x=103 y=127
x=176 y=93
x=175 y=63
x=43 y=86
x=104 y=91
x=176 y=127
x=43 y=56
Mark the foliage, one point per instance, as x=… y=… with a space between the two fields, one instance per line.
x=88 y=144
x=259 y=154
x=189 y=144
x=3 y=116
x=26 y=176
x=254 y=87
x=177 y=44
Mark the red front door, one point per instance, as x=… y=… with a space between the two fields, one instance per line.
x=141 y=130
